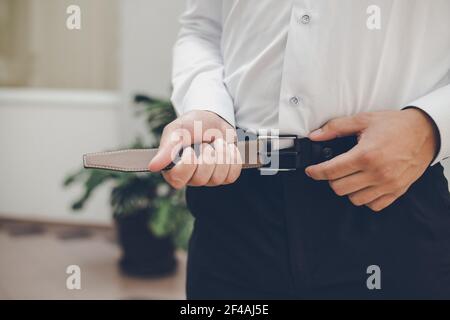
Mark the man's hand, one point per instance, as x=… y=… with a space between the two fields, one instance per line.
x=394 y=150
x=218 y=161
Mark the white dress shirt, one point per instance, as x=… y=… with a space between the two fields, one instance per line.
x=293 y=65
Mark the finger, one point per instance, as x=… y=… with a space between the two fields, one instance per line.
x=174 y=137
x=339 y=167
x=179 y=175
x=382 y=202
x=366 y=196
x=222 y=163
x=235 y=166
x=340 y=127
x=352 y=183
x=205 y=167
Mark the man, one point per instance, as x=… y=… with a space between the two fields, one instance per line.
x=372 y=222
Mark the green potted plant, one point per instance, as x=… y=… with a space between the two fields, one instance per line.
x=151 y=218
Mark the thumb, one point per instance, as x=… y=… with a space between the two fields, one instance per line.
x=340 y=127
x=161 y=160
x=170 y=145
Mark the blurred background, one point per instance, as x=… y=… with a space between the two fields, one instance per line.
x=67 y=92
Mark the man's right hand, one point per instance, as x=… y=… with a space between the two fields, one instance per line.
x=218 y=161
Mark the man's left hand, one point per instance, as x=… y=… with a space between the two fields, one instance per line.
x=394 y=150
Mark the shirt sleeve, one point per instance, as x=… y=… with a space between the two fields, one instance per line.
x=198 y=70
x=437 y=105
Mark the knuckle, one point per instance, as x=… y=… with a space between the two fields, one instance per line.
x=186 y=122
x=328 y=172
x=363 y=118
x=384 y=173
x=368 y=157
x=330 y=126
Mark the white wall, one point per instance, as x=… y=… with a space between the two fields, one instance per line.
x=43 y=135
x=148 y=32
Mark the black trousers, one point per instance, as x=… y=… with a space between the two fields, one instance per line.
x=289 y=237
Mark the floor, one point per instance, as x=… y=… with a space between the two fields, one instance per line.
x=34 y=259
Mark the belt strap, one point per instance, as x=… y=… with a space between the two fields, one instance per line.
x=292 y=153
x=137 y=160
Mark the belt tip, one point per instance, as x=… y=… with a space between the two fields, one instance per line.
x=85 y=161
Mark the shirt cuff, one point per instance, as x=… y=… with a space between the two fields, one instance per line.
x=437 y=106
x=209 y=95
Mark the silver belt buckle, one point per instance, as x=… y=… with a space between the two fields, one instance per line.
x=270 y=148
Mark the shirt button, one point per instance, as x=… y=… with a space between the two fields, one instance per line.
x=295 y=101
x=305 y=19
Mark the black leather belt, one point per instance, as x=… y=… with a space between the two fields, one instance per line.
x=305 y=152
x=283 y=153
